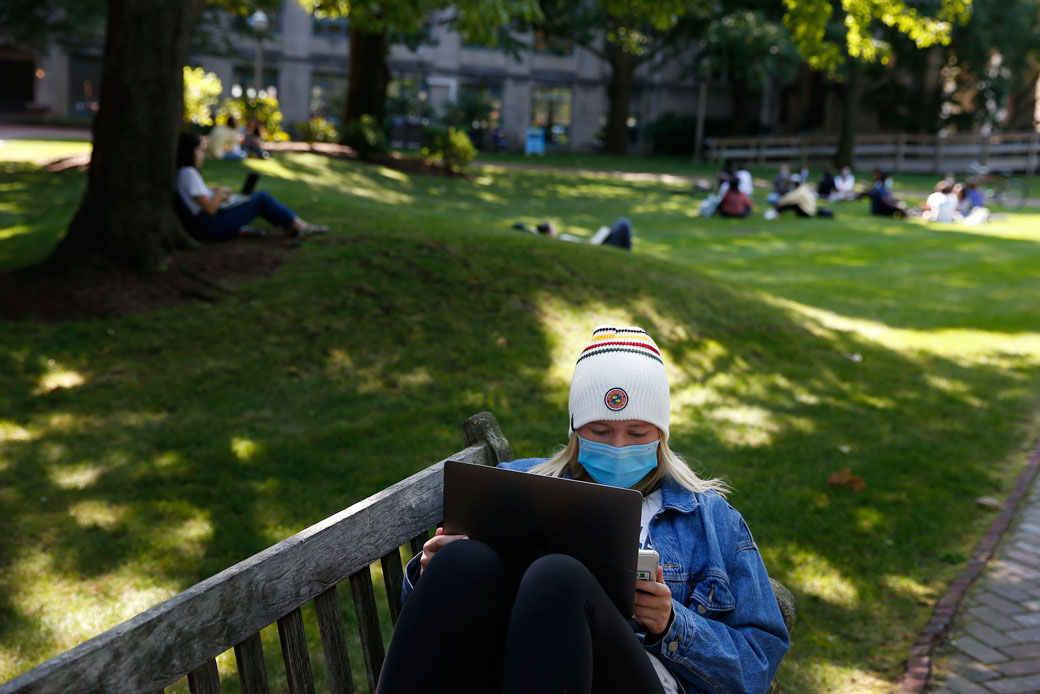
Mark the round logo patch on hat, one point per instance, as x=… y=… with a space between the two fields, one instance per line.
x=615 y=399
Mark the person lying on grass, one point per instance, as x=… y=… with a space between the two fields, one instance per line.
x=707 y=622
x=216 y=221
x=618 y=234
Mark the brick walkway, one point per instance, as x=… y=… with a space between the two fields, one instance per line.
x=994 y=641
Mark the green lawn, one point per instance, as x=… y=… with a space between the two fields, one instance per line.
x=141 y=455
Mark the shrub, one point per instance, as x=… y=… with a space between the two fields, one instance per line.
x=264 y=108
x=365 y=136
x=315 y=130
x=452 y=147
x=201 y=93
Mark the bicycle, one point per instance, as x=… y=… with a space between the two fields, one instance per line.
x=1002 y=188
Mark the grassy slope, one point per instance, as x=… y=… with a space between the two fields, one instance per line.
x=138 y=456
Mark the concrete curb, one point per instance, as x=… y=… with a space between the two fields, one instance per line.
x=919 y=665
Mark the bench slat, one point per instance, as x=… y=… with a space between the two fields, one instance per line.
x=334 y=642
x=204 y=679
x=252 y=671
x=393 y=575
x=368 y=624
x=294 y=653
x=155 y=648
x=419 y=540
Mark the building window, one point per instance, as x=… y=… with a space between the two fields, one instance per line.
x=544 y=43
x=481 y=104
x=551 y=111
x=328 y=96
x=408 y=97
x=330 y=28
x=478 y=111
x=243 y=77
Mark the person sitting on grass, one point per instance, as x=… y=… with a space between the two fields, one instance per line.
x=706 y=620
x=781 y=184
x=253 y=140
x=735 y=203
x=970 y=198
x=844 y=185
x=881 y=200
x=827 y=185
x=222 y=141
x=216 y=223
x=801 y=200
x=941 y=205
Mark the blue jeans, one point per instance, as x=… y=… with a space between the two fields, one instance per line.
x=620 y=234
x=554 y=631
x=225 y=223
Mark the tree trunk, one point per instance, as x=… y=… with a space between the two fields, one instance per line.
x=1022 y=99
x=849 y=107
x=738 y=92
x=125 y=216
x=368 y=77
x=622 y=72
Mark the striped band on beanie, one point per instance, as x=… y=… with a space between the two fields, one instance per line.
x=620 y=375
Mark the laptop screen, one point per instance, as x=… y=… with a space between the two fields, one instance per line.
x=250 y=183
x=524 y=516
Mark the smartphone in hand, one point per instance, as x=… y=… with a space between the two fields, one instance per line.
x=646 y=565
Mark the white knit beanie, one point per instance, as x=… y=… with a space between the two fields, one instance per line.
x=619 y=376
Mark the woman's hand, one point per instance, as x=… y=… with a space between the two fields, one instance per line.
x=435 y=544
x=221 y=193
x=653 y=604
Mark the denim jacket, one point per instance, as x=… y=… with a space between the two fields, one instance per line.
x=728 y=635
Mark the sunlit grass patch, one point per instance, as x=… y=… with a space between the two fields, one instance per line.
x=42 y=151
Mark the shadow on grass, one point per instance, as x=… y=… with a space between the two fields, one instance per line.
x=144 y=454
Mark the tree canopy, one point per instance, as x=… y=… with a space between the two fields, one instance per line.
x=828 y=36
x=478 y=20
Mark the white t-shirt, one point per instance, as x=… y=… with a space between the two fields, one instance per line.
x=190 y=184
x=941 y=207
x=744 y=183
x=844 y=183
x=651 y=505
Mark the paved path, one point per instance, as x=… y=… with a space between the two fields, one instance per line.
x=20 y=131
x=993 y=646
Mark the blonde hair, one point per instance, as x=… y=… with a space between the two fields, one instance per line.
x=669 y=464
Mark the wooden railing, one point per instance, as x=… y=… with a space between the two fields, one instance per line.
x=937 y=154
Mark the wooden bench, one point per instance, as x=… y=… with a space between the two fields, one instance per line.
x=185 y=634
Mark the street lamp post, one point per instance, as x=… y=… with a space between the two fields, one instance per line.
x=259 y=22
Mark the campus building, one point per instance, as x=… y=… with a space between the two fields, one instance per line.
x=559 y=87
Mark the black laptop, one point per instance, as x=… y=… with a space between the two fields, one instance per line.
x=525 y=516
x=247 y=192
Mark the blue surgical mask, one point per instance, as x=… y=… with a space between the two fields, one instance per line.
x=618 y=467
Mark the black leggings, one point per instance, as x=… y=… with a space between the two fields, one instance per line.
x=465 y=629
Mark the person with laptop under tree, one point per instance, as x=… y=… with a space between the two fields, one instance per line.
x=215 y=221
x=708 y=623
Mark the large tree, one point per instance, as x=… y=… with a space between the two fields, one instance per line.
x=624 y=34
x=839 y=38
x=992 y=65
x=376 y=24
x=751 y=49
x=125 y=215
